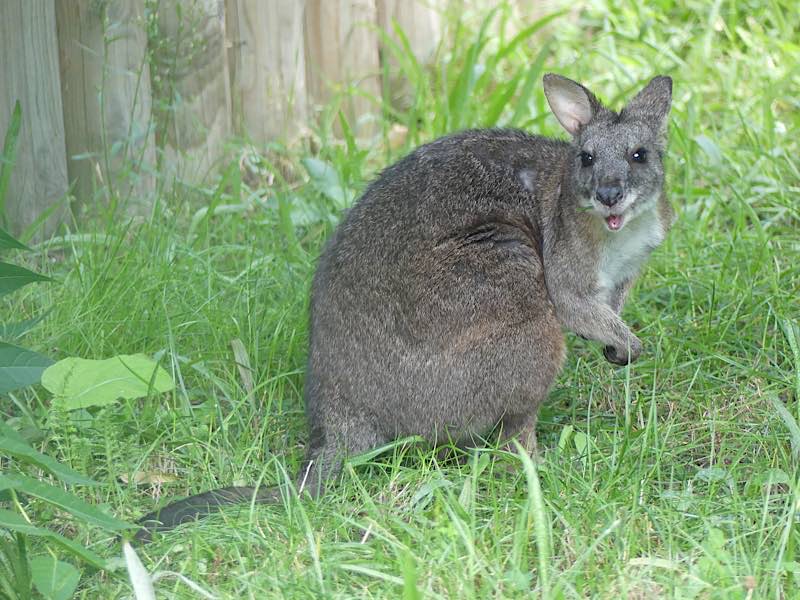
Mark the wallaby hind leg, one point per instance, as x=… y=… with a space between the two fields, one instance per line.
x=523 y=429
x=344 y=434
x=328 y=448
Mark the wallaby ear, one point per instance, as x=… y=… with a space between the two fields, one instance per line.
x=572 y=104
x=653 y=102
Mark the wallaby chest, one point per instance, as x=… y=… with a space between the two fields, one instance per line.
x=623 y=253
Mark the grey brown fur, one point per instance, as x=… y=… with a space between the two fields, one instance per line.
x=438 y=304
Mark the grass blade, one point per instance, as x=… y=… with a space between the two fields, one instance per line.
x=524 y=34
x=541 y=521
x=64 y=500
x=13 y=331
x=462 y=90
x=13 y=522
x=15 y=573
x=9 y=155
x=790 y=332
x=13 y=444
x=141 y=581
x=531 y=79
x=501 y=99
x=9 y=243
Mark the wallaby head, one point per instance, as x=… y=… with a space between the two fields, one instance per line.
x=616 y=167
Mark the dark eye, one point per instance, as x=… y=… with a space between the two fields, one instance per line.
x=586 y=159
x=639 y=155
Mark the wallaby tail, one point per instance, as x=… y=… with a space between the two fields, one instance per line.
x=201 y=505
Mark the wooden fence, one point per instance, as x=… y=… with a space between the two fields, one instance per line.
x=117 y=90
x=91 y=75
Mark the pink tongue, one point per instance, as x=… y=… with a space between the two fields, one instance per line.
x=614 y=222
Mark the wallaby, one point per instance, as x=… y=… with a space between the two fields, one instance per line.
x=438 y=304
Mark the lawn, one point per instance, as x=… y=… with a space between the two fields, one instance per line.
x=676 y=477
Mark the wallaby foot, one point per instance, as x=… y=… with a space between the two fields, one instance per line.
x=524 y=431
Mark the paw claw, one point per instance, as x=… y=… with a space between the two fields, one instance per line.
x=621 y=356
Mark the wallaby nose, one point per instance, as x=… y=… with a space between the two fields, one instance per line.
x=609 y=195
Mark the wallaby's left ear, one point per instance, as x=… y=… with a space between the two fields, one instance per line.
x=653 y=102
x=573 y=105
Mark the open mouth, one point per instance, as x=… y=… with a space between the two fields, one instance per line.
x=614 y=222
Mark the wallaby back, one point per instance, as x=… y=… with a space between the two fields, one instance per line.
x=438 y=304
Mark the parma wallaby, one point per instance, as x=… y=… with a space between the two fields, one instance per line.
x=438 y=304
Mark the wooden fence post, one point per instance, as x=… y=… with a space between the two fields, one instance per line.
x=342 y=51
x=29 y=73
x=267 y=62
x=105 y=80
x=191 y=86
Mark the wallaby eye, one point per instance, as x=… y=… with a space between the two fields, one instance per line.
x=586 y=159
x=639 y=155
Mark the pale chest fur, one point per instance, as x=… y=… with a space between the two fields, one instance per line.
x=623 y=253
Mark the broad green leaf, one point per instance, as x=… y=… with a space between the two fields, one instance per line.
x=64 y=500
x=13 y=444
x=20 y=367
x=791 y=424
x=326 y=180
x=13 y=277
x=13 y=522
x=303 y=213
x=81 y=382
x=9 y=154
x=772 y=477
x=54 y=579
x=7 y=242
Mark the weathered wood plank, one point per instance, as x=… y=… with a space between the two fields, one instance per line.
x=105 y=83
x=191 y=81
x=342 y=53
x=29 y=73
x=268 y=64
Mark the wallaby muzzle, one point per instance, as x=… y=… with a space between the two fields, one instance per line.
x=609 y=195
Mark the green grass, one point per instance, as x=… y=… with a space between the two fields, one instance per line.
x=674 y=478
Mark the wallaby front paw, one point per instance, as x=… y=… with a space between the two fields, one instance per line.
x=622 y=355
x=616 y=358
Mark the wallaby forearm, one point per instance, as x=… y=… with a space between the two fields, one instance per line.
x=619 y=295
x=593 y=320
